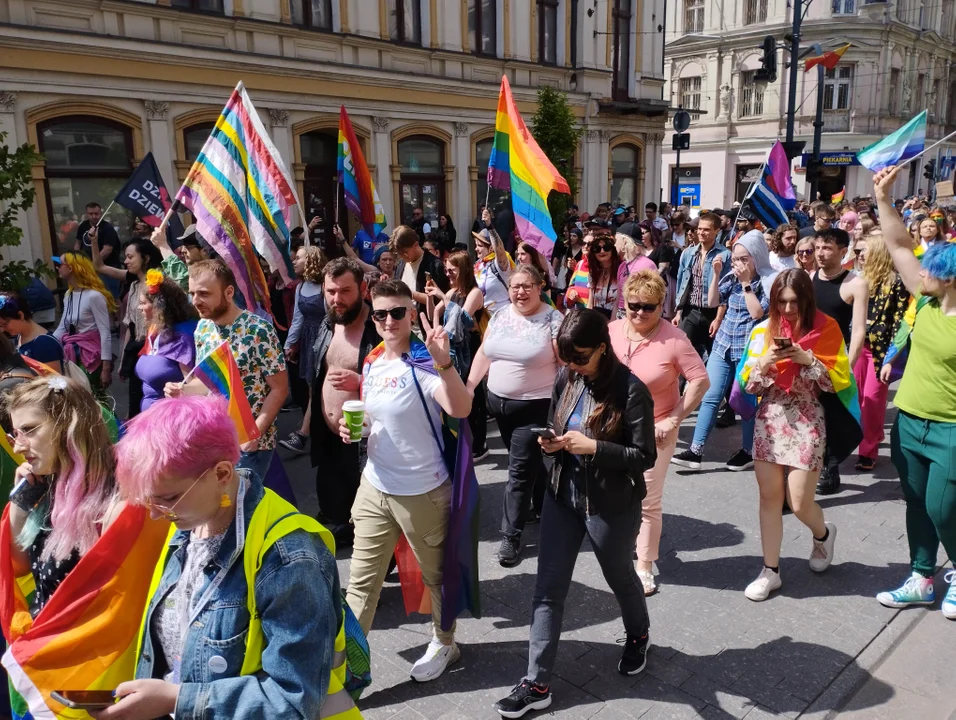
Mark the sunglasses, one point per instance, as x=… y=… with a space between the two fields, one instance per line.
x=603 y=247
x=396 y=313
x=805 y=253
x=642 y=307
x=582 y=359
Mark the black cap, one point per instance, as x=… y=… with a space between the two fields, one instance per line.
x=747 y=214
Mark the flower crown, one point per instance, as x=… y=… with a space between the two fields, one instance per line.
x=154 y=278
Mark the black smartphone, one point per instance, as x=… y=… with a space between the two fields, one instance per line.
x=544 y=432
x=428 y=277
x=84 y=699
x=783 y=343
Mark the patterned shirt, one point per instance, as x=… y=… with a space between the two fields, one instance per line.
x=734 y=332
x=884 y=313
x=257 y=351
x=698 y=294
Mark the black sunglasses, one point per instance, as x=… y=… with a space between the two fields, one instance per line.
x=646 y=307
x=582 y=359
x=603 y=247
x=397 y=313
x=804 y=253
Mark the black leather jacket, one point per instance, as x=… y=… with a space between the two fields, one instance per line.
x=614 y=475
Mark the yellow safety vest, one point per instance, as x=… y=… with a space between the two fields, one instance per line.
x=274 y=518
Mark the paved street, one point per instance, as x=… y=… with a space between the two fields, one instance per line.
x=821 y=642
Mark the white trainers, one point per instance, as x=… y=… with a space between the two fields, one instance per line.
x=437 y=657
x=760 y=589
x=822 y=554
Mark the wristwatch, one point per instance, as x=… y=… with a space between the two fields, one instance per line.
x=748 y=289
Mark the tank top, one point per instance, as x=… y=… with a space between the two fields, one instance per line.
x=829 y=302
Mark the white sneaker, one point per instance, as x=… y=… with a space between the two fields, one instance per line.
x=437 y=657
x=822 y=554
x=760 y=589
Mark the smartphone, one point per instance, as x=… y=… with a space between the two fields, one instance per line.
x=428 y=277
x=543 y=432
x=84 y=699
x=782 y=343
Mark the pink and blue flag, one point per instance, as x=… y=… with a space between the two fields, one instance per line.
x=904 y=144
x=772 y=196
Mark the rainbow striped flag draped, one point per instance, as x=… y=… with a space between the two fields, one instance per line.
x=581 y=282
x=361 y=197
x=220 y=373
x=519 y=165
x=85 y=637
x=243 y=198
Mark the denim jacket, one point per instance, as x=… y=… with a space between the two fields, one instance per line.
x=299 y=601
x=685 y=271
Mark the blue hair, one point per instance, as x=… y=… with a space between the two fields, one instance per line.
x=940 y=260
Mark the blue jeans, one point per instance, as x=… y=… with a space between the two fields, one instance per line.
x=257 y=461
x=721 y=371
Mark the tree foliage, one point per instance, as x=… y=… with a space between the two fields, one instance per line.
x=16 y=196
x=556 y=131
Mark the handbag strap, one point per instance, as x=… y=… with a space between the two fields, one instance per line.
x=428 y=415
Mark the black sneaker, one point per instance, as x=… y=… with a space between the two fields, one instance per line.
x=295 y=442
x=634 y=658
x=688 y=459
x=525 y=696
x=726 y=418
x=508 y=552
x=829 y=483
x=479 y=454
x=742 y=460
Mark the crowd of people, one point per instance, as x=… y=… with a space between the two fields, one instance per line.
x=588 y=359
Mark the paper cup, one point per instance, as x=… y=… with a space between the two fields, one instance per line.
x=354 y=413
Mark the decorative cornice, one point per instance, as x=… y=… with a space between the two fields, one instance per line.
x=605 y=135
x=379 y=123
x=8 y=100
x=461 y=129
x=156 y=109
x=657 y=137
x=592 y=135
x=278 y=117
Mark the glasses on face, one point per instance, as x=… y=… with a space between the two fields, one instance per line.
x=581 y=359
x=522 y=287
x=805 y=253
x=168 y=512
x=396 y=313
x=19 y=435
x=603 y=247
x=646 y=308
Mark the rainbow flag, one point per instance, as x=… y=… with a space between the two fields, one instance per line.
x=904 y=144
x=580 y=281
x=361 y=197
x=243 y=198
x=838 y=197
x=519 y=165
x=219 y=372
x=85 y=636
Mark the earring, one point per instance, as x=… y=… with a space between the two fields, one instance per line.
x=225 y=501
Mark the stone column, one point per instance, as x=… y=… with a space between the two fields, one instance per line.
x=604 y=165
x=30 y=246
x=591 y=192
x=161 y=143
x=380 y=149
x=655 y=188
x=464 y=204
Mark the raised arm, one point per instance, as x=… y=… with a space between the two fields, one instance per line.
x=897 y=240
x=97 y=257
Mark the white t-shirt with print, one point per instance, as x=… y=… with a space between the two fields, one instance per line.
x=523 y=366
x=403 y=455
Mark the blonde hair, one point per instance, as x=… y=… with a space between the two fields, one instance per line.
x=315 y=263
x=626 y=247
x=85 y=277
x=879 y=271
x=646 y=283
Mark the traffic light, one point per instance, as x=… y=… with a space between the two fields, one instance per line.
x=929 y=170
x=813 y=170
x=768 y=73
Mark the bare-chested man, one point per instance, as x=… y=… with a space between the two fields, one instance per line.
x=346 y=336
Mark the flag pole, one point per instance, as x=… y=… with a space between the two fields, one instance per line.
x=749 y=190
x=926 y=150
x=105 y=213
x=166 y=217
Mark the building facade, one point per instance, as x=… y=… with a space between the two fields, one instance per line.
x=898 y=65
x=96 y=84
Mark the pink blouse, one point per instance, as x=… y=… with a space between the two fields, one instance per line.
x=659 y=362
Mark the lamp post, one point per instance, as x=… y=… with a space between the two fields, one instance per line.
x=794 y=53
x=817 y=123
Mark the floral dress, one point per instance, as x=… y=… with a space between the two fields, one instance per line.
x=789 y=428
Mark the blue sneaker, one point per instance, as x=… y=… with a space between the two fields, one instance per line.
x=917 y=590
x=949 y=602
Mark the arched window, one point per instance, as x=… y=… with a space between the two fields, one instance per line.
x=482 y=156
x=422 y=183
x=625 y=175
x=319 y=152
x=88 y=159
x=194 y=137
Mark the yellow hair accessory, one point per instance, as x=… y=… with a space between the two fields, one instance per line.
x=154 y=278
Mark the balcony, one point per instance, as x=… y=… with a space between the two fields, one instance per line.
x=836 y=120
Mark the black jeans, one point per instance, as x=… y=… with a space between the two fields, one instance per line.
x=612 y=539
x=526 y=476
x=695 y=322
x=338 y=472
x=478 y=418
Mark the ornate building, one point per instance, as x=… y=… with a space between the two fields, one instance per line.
x=96 y=84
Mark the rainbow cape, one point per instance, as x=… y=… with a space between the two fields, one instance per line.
x=580 y=281
x=361 y=197
x=459 y=589
x=841 y=407
x=85 y=636
x=219 y=372
x=243 y=198
x=898 y=352
x=519 y=165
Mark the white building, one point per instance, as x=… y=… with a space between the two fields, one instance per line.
x=898 y=66
x=96 y=84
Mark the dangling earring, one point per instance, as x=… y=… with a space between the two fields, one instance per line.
x=225 y=501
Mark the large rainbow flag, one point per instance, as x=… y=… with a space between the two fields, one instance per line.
x=243 y=198
x=219 y=372
x=519 y=165
x=361 y=197
x=85 y=637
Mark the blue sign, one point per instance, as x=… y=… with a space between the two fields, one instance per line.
x=688 y=194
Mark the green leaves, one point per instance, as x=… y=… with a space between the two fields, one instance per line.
x=16 y=195
x=556 y=131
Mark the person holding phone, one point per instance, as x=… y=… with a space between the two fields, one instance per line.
x=417 y=269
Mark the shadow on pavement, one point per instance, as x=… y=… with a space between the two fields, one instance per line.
x=683 y=533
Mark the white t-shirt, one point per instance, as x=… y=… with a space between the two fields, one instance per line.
x=403 y=455
x=782 y=263
x=493 y=285
x=523 y=366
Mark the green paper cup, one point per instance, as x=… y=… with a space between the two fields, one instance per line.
x=354 y=413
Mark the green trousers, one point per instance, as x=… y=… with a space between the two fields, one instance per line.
x=924 y=453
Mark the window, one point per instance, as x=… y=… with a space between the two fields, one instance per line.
x=482 y=27
x=548 y=31
x=751 y=95
x=621 y=15
x=316 y=14
x=319 y=152
x=844 y=7
x=755 y=12
x=200 y=5
x=836 y=88
x=747 y=175
x=482 y=156
x=625 y=181
x=405 y=21
x=88 y=159
x=689 y=95
x=893 y=90
x=422 y=183
x=952 y=105
x=693 y=16
x=194 y=137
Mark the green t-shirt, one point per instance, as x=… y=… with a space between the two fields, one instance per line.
x=928 y=387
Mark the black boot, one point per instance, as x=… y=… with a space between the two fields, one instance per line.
x=829 y=483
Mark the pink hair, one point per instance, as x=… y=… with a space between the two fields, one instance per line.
x=175 y=438
x=849 y=220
